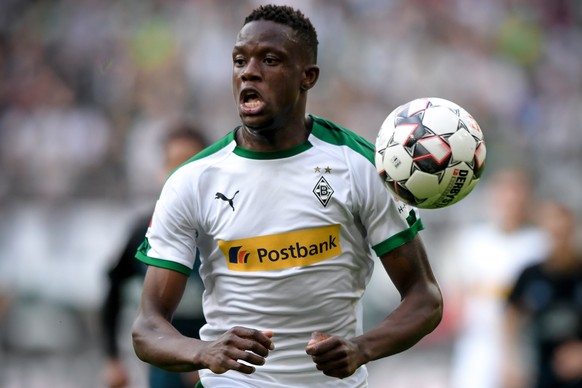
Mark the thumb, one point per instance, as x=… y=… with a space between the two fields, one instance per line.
x=316 y=337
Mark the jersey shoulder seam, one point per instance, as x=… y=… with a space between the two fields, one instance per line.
x=332 y=133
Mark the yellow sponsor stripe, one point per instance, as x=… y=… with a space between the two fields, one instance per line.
x=285 y=250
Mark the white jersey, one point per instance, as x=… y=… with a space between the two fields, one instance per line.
x=488 y=261
x=284 y=241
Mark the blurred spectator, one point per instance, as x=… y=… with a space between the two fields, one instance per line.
x=484 y=261
x=546 y=303
x=130 y=68
x=182 y=142
x=160 y=98
x=52 y=141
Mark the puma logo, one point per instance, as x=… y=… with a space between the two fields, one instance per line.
x=224 y=198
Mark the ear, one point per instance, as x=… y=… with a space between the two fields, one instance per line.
x=310 y=76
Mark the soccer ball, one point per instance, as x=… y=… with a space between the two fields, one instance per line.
x=430 y=152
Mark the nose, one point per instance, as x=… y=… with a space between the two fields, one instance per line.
x=251 y=71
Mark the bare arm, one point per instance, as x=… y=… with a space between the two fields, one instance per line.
x=157 y=342
x=420 y=310
x=418 y=314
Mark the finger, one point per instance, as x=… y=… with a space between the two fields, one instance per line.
x=227 y=362
x=252 y=358
x=316 y=337
x=269 y=333
x=331 y=364
x=322 y=346
x=238 y=360
x=254 y=346
x=240 y=367
x=339 y=373
x=264 y=338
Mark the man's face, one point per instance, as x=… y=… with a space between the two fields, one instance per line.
x=268 y=70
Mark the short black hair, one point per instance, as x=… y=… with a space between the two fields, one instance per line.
x=291 y=17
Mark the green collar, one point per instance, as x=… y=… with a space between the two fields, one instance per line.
x=265 y=155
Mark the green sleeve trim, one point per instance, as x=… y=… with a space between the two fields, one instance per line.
x=399 y=239
x=163 y=263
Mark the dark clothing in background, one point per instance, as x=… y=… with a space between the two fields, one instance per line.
x=553 y=302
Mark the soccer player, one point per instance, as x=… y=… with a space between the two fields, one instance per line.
x=283 y=213
x=183 y=141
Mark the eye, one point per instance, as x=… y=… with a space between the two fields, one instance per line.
x=271 y=61
x=238 y=61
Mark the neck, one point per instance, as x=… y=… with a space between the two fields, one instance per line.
x=274 y=139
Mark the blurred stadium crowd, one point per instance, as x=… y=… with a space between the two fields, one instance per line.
x=88 y=87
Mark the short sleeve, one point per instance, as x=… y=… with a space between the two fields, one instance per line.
x=388 y=221
x=171 y=236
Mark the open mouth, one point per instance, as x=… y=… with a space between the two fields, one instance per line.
x=251 y=101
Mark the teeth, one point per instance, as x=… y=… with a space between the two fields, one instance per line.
x=252 y=104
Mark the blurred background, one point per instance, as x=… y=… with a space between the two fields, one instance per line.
x=88 y=88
